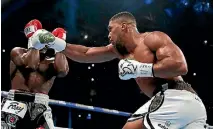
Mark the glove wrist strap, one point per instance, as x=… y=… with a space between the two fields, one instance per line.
x=59 y=44
x=145 y=70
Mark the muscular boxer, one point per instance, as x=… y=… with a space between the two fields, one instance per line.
x=156 y=63
x=32 y=72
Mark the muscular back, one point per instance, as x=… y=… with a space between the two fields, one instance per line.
x=30 y=73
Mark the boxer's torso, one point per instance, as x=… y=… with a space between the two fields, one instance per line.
x=39 y=80
x=143 y=54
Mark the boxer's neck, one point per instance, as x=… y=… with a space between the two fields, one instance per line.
x=131 y=39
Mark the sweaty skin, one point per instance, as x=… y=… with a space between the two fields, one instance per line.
x=29 y=72
x=169 y=61
x=126 y=42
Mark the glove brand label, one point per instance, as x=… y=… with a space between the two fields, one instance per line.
x=29 y=30
x=15 y=107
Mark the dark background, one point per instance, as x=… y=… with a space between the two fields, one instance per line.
x=188 y=22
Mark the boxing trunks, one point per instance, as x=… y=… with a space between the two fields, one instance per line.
x=175 y=105
x=25 y=110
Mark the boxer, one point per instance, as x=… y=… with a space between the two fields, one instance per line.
x=33 y=72
x=157 y=64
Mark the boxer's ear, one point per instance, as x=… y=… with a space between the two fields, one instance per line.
x=124 y=26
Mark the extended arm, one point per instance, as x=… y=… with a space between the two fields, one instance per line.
x=84 y=54
x=80 y=53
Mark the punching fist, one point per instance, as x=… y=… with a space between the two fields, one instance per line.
x=31 y=27
x=32 y=31
x=40 y=39
x=60 y=37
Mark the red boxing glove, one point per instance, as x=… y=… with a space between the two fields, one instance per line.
x=32 y=27
x=60 y=37
x=41 y=127
x=60 y=33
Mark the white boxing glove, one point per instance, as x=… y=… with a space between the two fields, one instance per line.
x=132 y=69
x=60 y=37
x=58 y=45
x=40 y=39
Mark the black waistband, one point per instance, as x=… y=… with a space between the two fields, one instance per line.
x=174 y=84
x=26 y=96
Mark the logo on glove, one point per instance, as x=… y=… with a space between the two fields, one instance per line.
x=46 y=37
x=127 y=68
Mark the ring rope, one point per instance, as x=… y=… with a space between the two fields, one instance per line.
x=89 y=108
x=82 y=106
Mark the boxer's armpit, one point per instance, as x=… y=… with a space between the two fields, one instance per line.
x=170 y=59
x=85 y=54
x=61 y=65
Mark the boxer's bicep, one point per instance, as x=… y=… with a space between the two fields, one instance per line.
x=170 y=59
x=85 y=54
x=61 y=65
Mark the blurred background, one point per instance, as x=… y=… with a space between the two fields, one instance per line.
x=188 y=22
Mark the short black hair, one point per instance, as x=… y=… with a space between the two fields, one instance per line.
x=124 y=17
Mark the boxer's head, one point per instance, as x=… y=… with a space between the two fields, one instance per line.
x=120 y=25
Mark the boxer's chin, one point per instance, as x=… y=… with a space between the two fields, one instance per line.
x=113 y=43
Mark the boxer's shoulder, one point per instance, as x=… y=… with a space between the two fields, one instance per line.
x=160 y=34
x=154 y=34
x=17 y=51
x=156 y=39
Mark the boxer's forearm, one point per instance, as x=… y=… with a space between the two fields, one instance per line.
x=168 y=67
x=32 y=58
x=84 y=54
x=61 y=65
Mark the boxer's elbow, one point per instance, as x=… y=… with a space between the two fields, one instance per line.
x=183 y=69
x=63 y=72
x=170 y=68
x=180 y=67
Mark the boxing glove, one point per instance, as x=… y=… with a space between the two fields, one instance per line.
x=29 y=31
x=132 y=69
x=60 y=37
x=31 y=27
x=60 y=33
x=40 y=39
